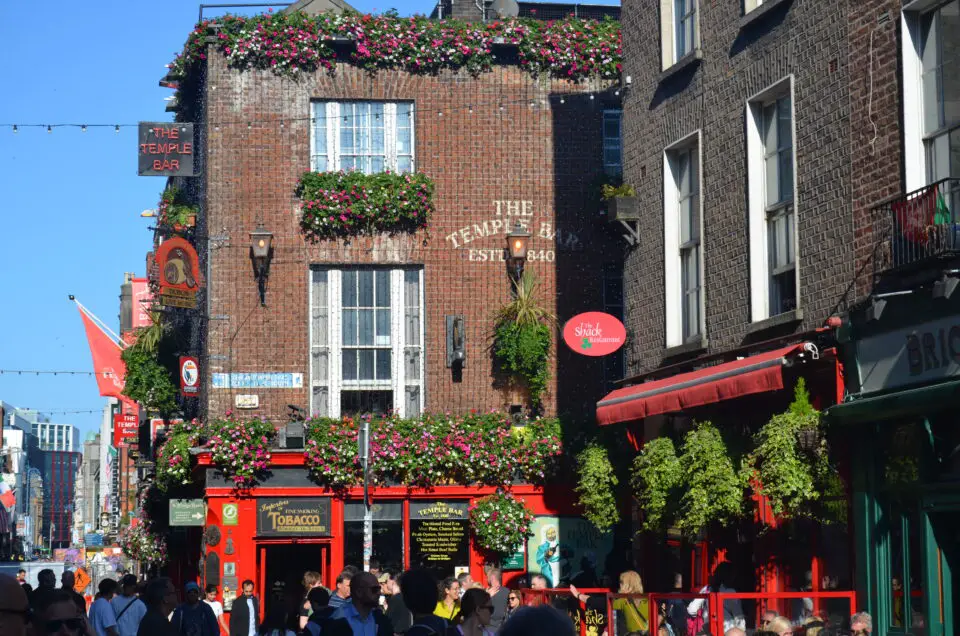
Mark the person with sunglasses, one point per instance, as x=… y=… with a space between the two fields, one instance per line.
x=57 y=615
x=14 y=608
x=513 y=604
x=476 y=611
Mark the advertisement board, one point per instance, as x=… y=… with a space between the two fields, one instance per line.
x=126 y=429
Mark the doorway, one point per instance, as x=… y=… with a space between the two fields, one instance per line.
x=282 y=567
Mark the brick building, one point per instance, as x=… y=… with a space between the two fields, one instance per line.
x=364 y=324
x=772 y=146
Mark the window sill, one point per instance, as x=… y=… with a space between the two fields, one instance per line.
x=761 y=11
x=685 y=62
x=695 y=345
x=787 y=317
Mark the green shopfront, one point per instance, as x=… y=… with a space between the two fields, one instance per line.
x=902 y=373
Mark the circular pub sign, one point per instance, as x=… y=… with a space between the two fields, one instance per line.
x=594 y=333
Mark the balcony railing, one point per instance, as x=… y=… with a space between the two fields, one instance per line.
x=925 y=226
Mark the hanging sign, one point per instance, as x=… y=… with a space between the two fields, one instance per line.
x=126 y=429
x=165 y=149
x=439 y=535
x=187 y=512
x=179 y=269
x=594 y=334
x=189 y=376
x=293 y=517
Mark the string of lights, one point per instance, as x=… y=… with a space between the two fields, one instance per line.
x=46 y=372
x=501 y=105
x=63 y=411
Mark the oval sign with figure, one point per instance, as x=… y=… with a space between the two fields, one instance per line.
x=594 y=334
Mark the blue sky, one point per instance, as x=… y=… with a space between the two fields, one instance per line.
x=70 y=201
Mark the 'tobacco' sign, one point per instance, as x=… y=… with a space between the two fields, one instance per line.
x=594 y=334
x=165 y=149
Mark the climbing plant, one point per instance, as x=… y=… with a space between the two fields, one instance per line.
x=596 y=487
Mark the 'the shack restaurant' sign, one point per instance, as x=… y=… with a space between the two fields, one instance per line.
x=594 y=334
x=165 y=149
x=293 y=517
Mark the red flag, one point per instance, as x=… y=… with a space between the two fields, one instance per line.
x=107 y=364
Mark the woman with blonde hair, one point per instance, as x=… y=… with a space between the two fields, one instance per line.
x=635 y=611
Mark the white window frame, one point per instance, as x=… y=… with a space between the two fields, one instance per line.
x=669 y=24
x=750 y=5
x=757 y=211
x=398 y=382
x=328 y=113
x=611 y=143
x=673 y=252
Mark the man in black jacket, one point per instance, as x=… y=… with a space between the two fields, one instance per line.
x=361 y=615
x=245 y=614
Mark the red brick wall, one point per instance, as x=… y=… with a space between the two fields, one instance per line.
x=535 y=149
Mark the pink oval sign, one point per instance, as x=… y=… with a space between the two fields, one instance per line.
x=594 y=333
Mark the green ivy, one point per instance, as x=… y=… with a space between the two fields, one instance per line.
x=596 y=486
x=791 y=479
x=523 y=351
x=655 y=481
x=148 y=382
x=712 y=489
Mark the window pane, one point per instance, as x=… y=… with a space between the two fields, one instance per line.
x=413 y=401
x=404 y=164
x=349 y=289
x=784 y=129
x=321 y=359
x=349 y=357
x=383 y=288
x=785 y=174
x=688 y=34
x=320 y=404
x=411 y=362
x=769 y=128
x=357 y=402
x=319 y=123
x=349 y=327
x=384 y=357
x=383 y=327
x=319 y=299
x=772 y=180
x=365 y=329
x=611 y=125
x=365 y=364
x=365 y=284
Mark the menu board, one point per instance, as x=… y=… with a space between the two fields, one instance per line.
x=439 y=536
x=308 y=516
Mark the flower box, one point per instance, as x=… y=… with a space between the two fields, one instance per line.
x=623 y=209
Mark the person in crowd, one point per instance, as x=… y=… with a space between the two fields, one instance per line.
x=311 y=579
x=736 y=631
x=780 y=626
x=14 y=606
x=465 y=581
x=813 y=626
x=476 y=612
x=513 y=604
x=275 y=624
x=542 y=620
x=341 y=595
x=128 y=609
x=46 y=583
x=375 y=568
x=861 y=624
x=733 y=615
x=498 y=597
x=396 y=610
x=767 y=617
x=160 y=598
x=635 y=611
x=57 y=615
x=245 y=614
x=67 y=582
x=210 y=598
x=193 y=618
x=21 y=576
x=103 y=620
x=319 y=599
x=361 y=616
x=419 y=591
x=449 y=603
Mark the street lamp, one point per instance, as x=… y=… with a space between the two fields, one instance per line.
x=517 y=240
x=260 y=253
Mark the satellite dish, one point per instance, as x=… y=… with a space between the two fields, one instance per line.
x=505 y=8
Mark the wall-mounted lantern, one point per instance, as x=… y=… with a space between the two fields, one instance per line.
x=456 y=342
x=517 y=241
x=261 y=251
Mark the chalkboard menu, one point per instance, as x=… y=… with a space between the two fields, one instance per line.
x=439 y=536
x=293 y=517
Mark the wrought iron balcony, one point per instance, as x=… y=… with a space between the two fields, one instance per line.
x=924 y=227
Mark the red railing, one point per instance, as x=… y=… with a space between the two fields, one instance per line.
x=833 y=608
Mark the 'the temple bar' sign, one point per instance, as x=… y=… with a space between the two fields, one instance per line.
x=165 y=149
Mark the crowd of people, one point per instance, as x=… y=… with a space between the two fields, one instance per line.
x=374 y=603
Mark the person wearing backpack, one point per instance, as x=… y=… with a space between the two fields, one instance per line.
x=419 y=590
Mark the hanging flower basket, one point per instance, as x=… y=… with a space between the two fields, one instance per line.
x=500 y=523
x=240 y=448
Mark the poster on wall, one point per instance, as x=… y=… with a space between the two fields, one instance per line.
x=568 y=549
x=439 y=536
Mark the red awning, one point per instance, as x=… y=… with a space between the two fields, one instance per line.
x=754 y=374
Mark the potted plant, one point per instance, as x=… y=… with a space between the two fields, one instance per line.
x=621 y=202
